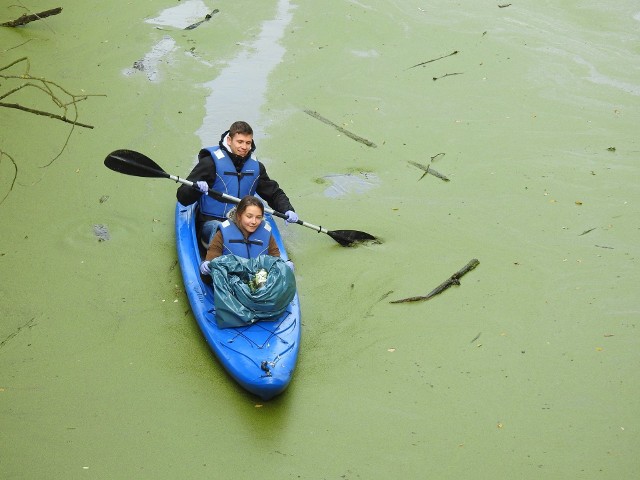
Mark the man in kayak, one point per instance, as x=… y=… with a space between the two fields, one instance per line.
x=230 y=168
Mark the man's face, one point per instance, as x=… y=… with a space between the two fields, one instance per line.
x=240 y=144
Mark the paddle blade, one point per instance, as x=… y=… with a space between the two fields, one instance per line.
x=348 y=238
x=134 y=163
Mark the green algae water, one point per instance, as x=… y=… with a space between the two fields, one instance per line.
x=528 y=369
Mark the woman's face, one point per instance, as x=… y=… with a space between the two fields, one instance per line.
x=251 y=218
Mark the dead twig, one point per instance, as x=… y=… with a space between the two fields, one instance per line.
x=340 y=129
x=46 y=114
x=15 y=173
x=63 y=100
x=49 y=88
x=24 y=19
x=447 y=75
x=206 y=18
x=452 y=280
x=428 y=169
x=16 y=46
x=29 y=324
x=432 y=60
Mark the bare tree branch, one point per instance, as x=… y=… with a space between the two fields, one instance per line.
x=15 y=173
x=46 y=114
x=24 y=19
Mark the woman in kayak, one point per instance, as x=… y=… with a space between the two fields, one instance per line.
x=244 y=233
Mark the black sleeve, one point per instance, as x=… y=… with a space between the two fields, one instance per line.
x=269 y=190
x=205 y=170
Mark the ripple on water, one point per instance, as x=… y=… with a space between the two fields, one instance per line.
x=84 y=234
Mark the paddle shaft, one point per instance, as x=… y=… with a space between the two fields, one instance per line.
x=134 y=163
x=236 y=200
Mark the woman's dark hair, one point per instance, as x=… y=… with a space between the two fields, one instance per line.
x=240 y=127
x=248 y=201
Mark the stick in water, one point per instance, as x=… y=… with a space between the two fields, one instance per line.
x=24 y=19
x=452 y=280
x=430 y=170
x=432 y=60
x=340 y=129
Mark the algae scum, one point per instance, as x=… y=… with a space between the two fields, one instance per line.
x=502 y=132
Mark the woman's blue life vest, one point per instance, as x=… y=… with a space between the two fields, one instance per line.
x=233 y=242
x=229 y=181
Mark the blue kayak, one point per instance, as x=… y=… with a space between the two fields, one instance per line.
x=262 y=356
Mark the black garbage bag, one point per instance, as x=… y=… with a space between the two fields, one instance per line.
x=242 y=294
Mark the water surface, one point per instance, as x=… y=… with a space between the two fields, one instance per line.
x=528 y=369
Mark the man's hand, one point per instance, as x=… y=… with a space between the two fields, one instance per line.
x=292 y=217
x=202 y=186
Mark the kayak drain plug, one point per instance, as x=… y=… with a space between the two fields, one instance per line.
x=264 y=366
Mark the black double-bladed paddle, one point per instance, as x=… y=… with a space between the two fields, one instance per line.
x=137 y=164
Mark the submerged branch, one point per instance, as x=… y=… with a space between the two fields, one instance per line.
x=15 y=173
x=65 y=102
x=430 y=170
x=452 y=280
x=432 y=60
x=24 y=19
x=46 y=114
x=447 y=75
x=206 y=18
x=29 y=324
x=340 y=129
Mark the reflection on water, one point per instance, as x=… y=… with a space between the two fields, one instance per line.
x=149 y=63
x=239 y=91
x=181 y=16
x=350 y=183
x=596 y=77
x=365 y=53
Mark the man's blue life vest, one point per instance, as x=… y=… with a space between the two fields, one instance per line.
x=233 y=242
x=229 y=181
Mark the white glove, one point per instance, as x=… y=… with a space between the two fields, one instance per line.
x=205 y=268
x=292 y=217
x=202 y=186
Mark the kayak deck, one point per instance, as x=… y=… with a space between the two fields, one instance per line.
x=262 y=356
